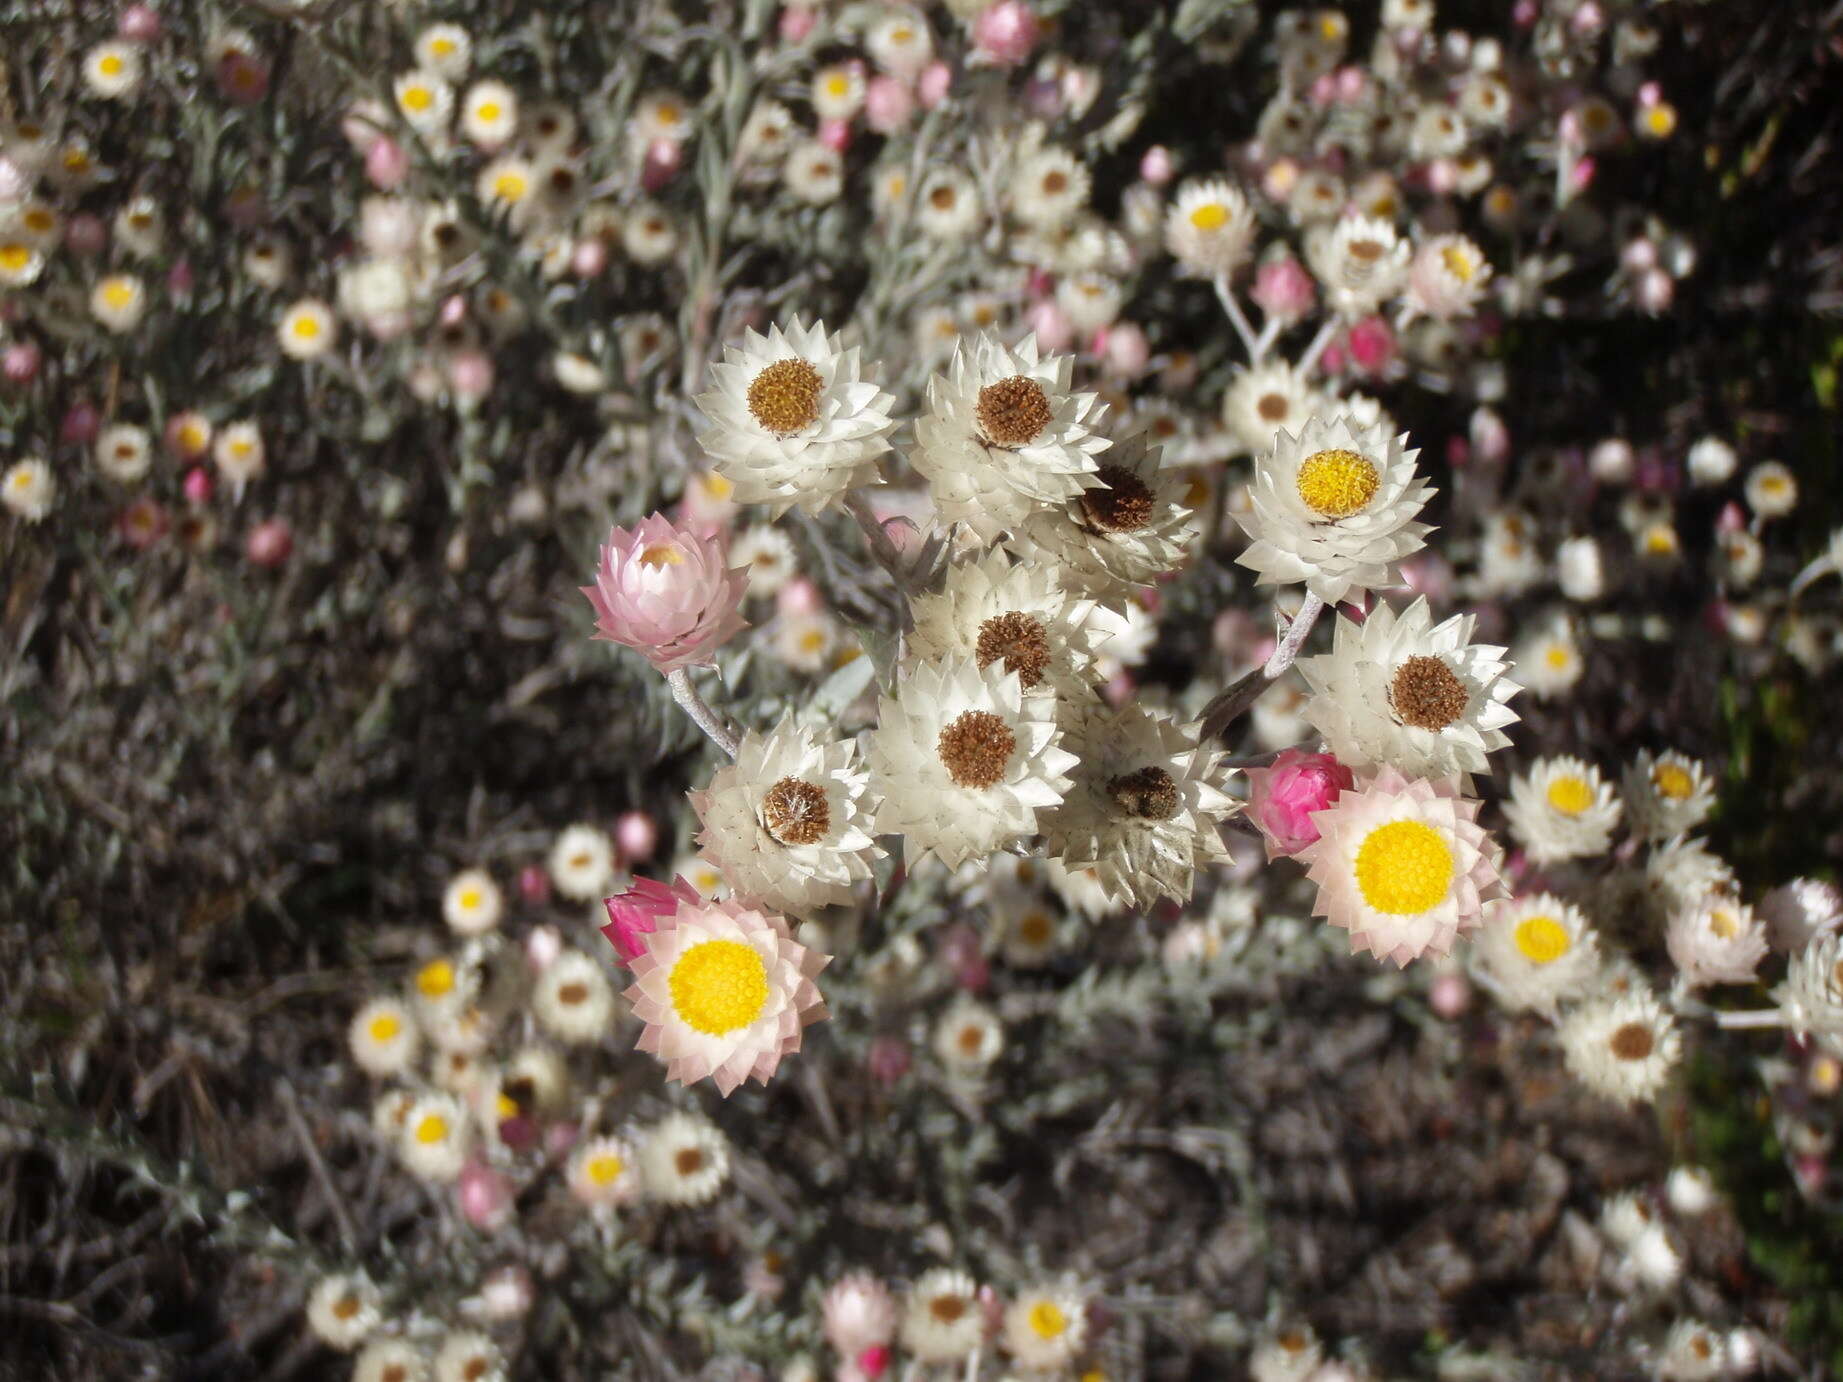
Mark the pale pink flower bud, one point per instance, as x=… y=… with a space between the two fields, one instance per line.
x=835 y=135
x=1126 y=350
x=636 y=836
x=1004 y=33
x=86 y=234
x=197 y=485
x=1054 y=331
x=589 y=258
x=507 y=1292
x=139 y=24
x=1490 y=437
x=1282 y=798
x=664 y=157
x=797 y=22
x=270 y=542
x=485 y=1196
x=534 y=884
x=936 y=81
x=1157 y=166
x=887 y=105
x=873 y=1360
x=1351 y=85
x=386 y=164
x=1334 y=359
x=471 y=374
x=859 y=1314
x=889 y=1059
x=21 y=362
x=1323 y=90
x=364 y=124
x=667 y=593
x=799 y=596
x=1656 y=290
x=1449 y=995
x=636 y=913
x=1639 y=254
x=1372 y=345
x=1442 y=177
x=1283 y=289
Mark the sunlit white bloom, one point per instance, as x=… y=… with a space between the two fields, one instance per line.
x=489 y=114
x=1360 y=260
x=1693 y=1352
x=445 y=50
x=900 y=43
x=1044 y=1327
x=766 y=134
x=947 y=207
x=1771 y=489
x=119 y=302
x=968 y=1038
x=573 y=1000
x=390 y=1360
x=661 y=115
x=1623 y=1047
x=767 y=554
x=1048 y=189
x=466 y=1355
x=1539 y=950
x=472 y=903
x=1811 y=998
x=1579 y=570
x=1290 y=1355
x=27 y=489
x=1266 y=400
x=425 y=101
x=307 y=330
x=1447 y=277
x=384 y=1038
x=1716 y=941
x=112 y=70
x=1711 y=461
x=604 y=1171
x=1209 y=228
x=1438 y=131
x=649 y=235
x=582 y=862
x=1548 y=661
x=1667 y=794
x=239 y=454
x=435 y=1137
x=837 y=92
x=942 y=1319
x=814 y=173
x=140 y=229
x=1562 y=809
x=684 y=1160
x=342 y=1310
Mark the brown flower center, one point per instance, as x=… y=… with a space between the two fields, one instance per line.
x=1426 y=694
x=972 y=1040
x=1012 y=412
x=1148 y=794
x=396 y=1372
x=1122 y=503
x=947 y=1309
x=1368 y=251
x=1632 y=1041
x=1055 y=183
x=1020 y=640
x=345 y=1307
x=1273 y=407
x=975 y=748
x=942 y=198
x=784 y=398
x=688 y=1160
x=795 y=812
x=1292 y=1341
x=572 y=994
x=475 y=1368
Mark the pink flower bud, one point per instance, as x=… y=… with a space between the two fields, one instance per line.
x=1282 y=798
x=85 y=234
x=1442 y=177
x=534 y=884
x=142 y=523
x=1157 y=166
x=1490 y=437
x=542 y=946
x=560 y=1137
x=506 y=1293
x=1333 y=359
x=485 y=1196
x=1005 y=32
x=1283 y=289
x=1655 y=291
x=242 y=79
x=1372 y=345
x=835 y=135
x=1732 y=519
x=664 y=157
x=888 y=105
x=21 y=362
x=1126 y=350
x=1638 y=255
x=386 y=164
x=638 y=912
x=471 y=374
x=667 y=593
x=873 y=1360
x=1524 y=13
x=179 y=279
x=1323 y=90
x=1584 y=169
x=1449 y=995
x=197 y=485
x=797 y=22
x=139 y=24
x=936 y=81
x=1351 y=85
x=889 y=1059
x=1120 y=688
x=588 y=258
x=270 y=543
x=1588 y=17
x=635 y=836
x=1054 y=331
x=799 y=596
x=1650 y=94
x=81 y=423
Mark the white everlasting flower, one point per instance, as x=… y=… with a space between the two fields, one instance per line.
x=649 y=235
x=806 y=642
x=992 y=609
x=582 y=862
x=1128 y=530
x=1290 y=1355
x=1627 y=1217
x=1262 y=402
x=813 y=172
x=1812 y=995
x=1318 y=195
x=968 y=1038
x=1741 y=556
x=113 y=70
x=1651 y=1262
x=1682 y=873
x=384 y=1037
x=1044 y=1327
x=1579 y=570
x=858 y=1313
x=1771 y=490
x=1401 y=690
x=837 y=92
x=466 y=1355
x=124 y=452
x=792 y=420
x=1794 y=912
x=1562 y=809
x=789 y=822
x=1508 y=562
x=425 y=101
x=1209 y=228
x=435 y=1137
x=1623 y=1047
x=900 y=43
x=445 y=50
x=662 y=115
x=942 y=1319
x=472 y=903
x=964 y=761
x=21 y=261
x=140 y=229
x=1334 y=507
x=507 y=184
x=1048 y=189
x=307 y=330
x=1693 y=1353
x=1004 y=435
x=1540 y=951
x=767 y=554
x=342 y=1310
x=1361 y=261
x=684 y=1160
x=390 y=1360
x=119 y=302
x=1143 y=811
x=489 y=114
x=1438 y=131
x=1028 y=928
x=27 y=489
x=1667 y=794
x=1690 y=1191
x=1447 y=277
x=948 y=206
x=604 y=1171
x=1710 y=462
x=573 y=1000
x=239 y=454
x=1090 y=301
x=1548 y=661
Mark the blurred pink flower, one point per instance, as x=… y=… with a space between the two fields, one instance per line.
x=667 y=593
x=1005 y=33
x=636 y=912
x=1284 y=289
x=1282 y=798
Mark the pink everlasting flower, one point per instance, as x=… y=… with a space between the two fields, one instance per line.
x=1284 y=289
x=1005 y=33
x=636 y=913
x=666 y=592
x=1282 y=798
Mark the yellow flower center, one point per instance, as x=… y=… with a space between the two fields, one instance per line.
x=384 y=1027
x=1459 y=262
x=306 y=327
x=22 y=479
x=837 y=85
x=38 y=220
x=667 y=113
x=1570 y=795
x=1047 y=1320
x=418 y=98
x=432 y=1128
x=470 y=899
x=1672 y=782
x=1404 y=867
x=510 y=187
x=1556 y=656
x=505 y=1106
x=76 y=161
x=663 y=555
x=1331 y=27
x=241 y=448
x=1542 y=940
x=14 y=257
x=1724 y=923
x=1660 y=541
x=812 y=641
x=716 y=486
x=111 y=65
x=1661 y=119
x=118 y=293
x=192 y=437
x=1337 y=483
x=1210 y=216
x=488 y=111
x=442 y=47
x=435 y=978
x=604 y=1170
x=718 y=986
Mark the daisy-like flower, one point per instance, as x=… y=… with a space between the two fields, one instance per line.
x=725 y=991
x=582 y=862
x=667 y=593
x=307 y=330
x=662 y=115
x=489 y=114
x=113 y=70
x=1667 y=793
x=472 y=903
x=446 y=50
x=425 y=100
x=649 y=235
x=900 y=43
x=1361 y=261
x=792 y=420
x=1540 y=950
x=767 y=554
x=1681 y=873
x=119 y=302
x=814 y=173
x=1771 y=489
x=1549 y=660
x=766 y=134
x=604 y=1171
x=1128 y=530
x=1287 y=1355
x=684 y=1160
x=439 y=989
x=1693 y=1353
x=1262 y=402
x=572 y=999
x=964 y=761
x=1402 y=690
x=858 y=1313
x=390 y=1360
x=507 y=184
x=21 y=261
x=837 y=91
x=1447 y=277
x=467 y=1355
x=1048 y=189
x=1335 y=508
x=1717 y=941
x=1004 y=436
x=1796 y=911
x=435 y=1137
x=992 y=609
x=942 y=1319
x=968 y=1038
x=788 y=823
x=140 y=229
x=239 y=454
x=27 y=489
x=1811 y=998
x=1044 y=1327
x=1623 y=1046
x=1402 y=867
x=342 y=1310
x=1142 y=811
x=384 y=1038
x=1209 y=228
x=948 y=207
x=1028 y=927
x=1562 y=809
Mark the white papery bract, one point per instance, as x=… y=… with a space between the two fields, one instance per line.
x=1447 y=277
x=1622 y=1046
x=1716 y=941
x=1401 y=690
x=1209 y=228
x=792 y=420
x=1812 y=995
x=1361 y=261
x=1667 y=794
x=942 y=1319
x=684 y=1160
x=1266 y=400
x=788 y=823
x=1142 y=811
x=964 y=761
x=1044 y=1326
x=1004 y=435
x=1562 y=809
x=1334 y=507
x=1539 y=951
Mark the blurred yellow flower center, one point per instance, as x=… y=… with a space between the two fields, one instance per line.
x=435 y=978
x=488 y=111
x=1404 y=867
x=1542 y=940
x=1331 y=26
x=1672 y=782
x=38 y=220
x=662 y=555
x=812 y=641
x=384 y=1027
x=442 y=47
x=1570 y=795
x=306 y=327
x=506 y=1106
x=1556 y=656
x=1661 y=119
x=418 y=99
x=837 y=85
x=667 y=113
x=1047 y=1320
x=1210 y=216
x=510 y=187
x=717 y=487
x=1724 y=923
x=192 y=437
x=470 y=899
x=718 y=986
x=1459 y=262
x=1036 y=929
x=76 y=161
x=118 y=292
x=22 y=479
x=111 y=65
x=432 y=1128
x=1337 y=483
x=15 y=257
x=1660 y=541
x=605 y=1169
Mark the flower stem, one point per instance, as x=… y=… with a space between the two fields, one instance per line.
x=1759 y=1017
x=1229 y=707
x=1295 y=635
x=1239 y=319
x=1317 y=348
x=679 y=679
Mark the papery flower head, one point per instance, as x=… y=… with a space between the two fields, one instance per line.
x=724 y=991
x=1716 y=941
x=636 y=913
x=1282 y=797
x=665 y=592
x=859 y=1313
x=1622 y=1046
